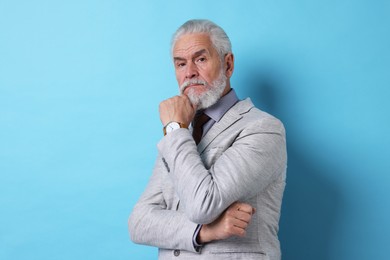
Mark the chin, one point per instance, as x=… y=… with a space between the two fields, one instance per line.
x=204 y=96
x=205 y=99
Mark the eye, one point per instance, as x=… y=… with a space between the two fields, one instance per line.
x=201 y=59
x=180 y=64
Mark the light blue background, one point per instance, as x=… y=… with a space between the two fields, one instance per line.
x=80 y=83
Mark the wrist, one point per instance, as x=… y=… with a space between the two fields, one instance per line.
x=203 y=236
x=172 y=126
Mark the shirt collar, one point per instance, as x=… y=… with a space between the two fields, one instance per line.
x=217 y=110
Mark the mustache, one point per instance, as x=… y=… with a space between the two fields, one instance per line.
x=191 y=82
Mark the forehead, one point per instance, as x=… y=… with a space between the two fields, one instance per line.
x=191 y=43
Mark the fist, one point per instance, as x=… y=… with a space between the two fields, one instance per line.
x=177 y=109
x=232 y=222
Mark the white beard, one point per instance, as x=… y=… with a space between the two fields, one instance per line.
x=210 y=96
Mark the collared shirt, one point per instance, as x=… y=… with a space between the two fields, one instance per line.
x=216 y=111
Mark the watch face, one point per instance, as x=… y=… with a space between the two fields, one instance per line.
x=172 y=126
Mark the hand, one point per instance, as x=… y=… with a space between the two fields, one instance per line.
x=232 y=222
x=177 y=109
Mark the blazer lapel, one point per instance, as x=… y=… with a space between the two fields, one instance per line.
x=232 y=116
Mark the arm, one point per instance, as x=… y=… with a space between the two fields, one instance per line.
x=151 y=223
x=256 y=158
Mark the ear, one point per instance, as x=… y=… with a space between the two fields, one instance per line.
x=229 y=64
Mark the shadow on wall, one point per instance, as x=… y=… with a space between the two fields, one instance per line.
x=311 y=202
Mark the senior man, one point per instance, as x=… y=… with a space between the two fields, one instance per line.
x=218 y=181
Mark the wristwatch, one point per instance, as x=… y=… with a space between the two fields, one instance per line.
x=171 y=126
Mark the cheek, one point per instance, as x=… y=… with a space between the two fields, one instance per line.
x=179 y=78
x=205 y=75
x=210 y=73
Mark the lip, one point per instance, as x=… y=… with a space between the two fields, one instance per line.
x=192 y=86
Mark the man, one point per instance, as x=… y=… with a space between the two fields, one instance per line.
x=218 y=181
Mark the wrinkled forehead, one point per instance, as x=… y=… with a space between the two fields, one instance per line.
x=189 y=44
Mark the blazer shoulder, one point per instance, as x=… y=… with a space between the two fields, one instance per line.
x=255 y=117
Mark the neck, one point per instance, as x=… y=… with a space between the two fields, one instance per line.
x=227 y=89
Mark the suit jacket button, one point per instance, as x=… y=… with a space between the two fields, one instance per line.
x=176 y=252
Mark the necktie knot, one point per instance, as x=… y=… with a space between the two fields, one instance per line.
x=199 y=120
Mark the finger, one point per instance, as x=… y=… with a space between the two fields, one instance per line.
x=238 y=231
x=243 y=216
x=235 y=208
x=240 y=223
x=194 y=106
x=245 y=207
x=239 y=215
x=185 y=97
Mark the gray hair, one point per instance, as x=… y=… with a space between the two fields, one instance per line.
x=218 y=37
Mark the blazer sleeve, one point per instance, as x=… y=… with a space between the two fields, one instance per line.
x=256 y=158
x=151 y=223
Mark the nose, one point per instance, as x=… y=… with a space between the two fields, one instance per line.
x=192 y=71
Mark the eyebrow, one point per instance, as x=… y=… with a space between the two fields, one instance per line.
x=196 y=54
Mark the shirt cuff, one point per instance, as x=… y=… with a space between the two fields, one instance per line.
x=197 y=246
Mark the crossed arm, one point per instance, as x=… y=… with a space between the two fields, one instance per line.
x=152 y=223
x=207 y=198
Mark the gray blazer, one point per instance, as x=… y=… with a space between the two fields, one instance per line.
x=241 y=158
